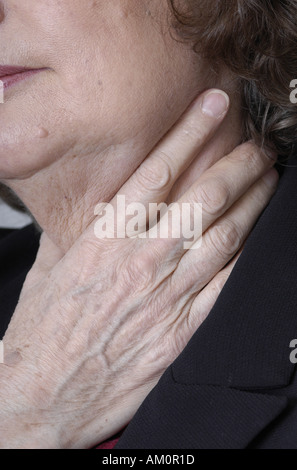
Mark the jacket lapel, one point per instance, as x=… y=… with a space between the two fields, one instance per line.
x=219 y=391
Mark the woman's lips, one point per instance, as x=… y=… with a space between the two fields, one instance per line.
x=10 y=75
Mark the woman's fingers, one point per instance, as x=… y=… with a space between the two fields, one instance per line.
x=153 y=180
x=225 y=182
x=202 y=274
x=207 y=298
x=210 y=197
x=225 y=237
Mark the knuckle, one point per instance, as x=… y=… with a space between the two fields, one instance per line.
x=155 y=173
x=193 y=132
x=214 y=196
x=226 y=238
x=139 y=272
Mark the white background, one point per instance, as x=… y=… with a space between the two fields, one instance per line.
x=10 y=218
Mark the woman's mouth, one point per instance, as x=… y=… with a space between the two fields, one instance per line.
x=11 y=75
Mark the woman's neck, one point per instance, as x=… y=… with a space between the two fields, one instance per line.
x=62 y=197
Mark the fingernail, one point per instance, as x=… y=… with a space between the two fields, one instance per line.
x=271 y=178
x=215 y=104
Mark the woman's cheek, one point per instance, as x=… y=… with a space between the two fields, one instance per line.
x=30 y=146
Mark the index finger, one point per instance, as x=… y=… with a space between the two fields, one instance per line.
x=153 y=180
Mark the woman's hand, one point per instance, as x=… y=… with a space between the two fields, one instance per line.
x=95 y=329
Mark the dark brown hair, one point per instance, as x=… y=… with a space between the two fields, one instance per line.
x=257 y=41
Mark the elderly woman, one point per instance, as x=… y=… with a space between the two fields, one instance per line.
x=148 y=100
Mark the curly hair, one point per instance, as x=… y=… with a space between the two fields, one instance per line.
x=257 y=41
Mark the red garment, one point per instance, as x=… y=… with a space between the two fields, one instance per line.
x=108 y=444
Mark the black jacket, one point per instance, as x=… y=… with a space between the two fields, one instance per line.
x=234 y=385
